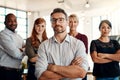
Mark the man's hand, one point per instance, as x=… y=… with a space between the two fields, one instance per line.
x=51 y=67
x=77 y=61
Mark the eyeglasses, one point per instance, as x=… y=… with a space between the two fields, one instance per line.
x=60 y=20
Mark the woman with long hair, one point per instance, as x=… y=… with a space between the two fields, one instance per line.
x=32 y=44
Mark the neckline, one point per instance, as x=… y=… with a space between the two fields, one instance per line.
x=103 y=42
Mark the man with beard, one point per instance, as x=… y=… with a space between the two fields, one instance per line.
x=11 y=50
x=61 y=57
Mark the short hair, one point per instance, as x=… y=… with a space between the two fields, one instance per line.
x=59 y=10
x=105 y=21
x=7 y=16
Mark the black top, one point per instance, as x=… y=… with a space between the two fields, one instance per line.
x=110 y=69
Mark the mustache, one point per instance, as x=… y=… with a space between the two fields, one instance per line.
x=55 y=28
x=58 y=26
x=13 y=25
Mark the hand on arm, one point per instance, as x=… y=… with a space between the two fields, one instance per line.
x=71 y=71
x=113 y=57
x=77 y=61
x=49 y=75
x=97 y=59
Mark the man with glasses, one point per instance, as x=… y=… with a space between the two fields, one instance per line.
x=61 y=57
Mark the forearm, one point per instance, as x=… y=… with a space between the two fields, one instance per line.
x=97 y=58
x=34 y=59
x=72 y=71
x=49 y=75
x=114 y=57
x=101 y=60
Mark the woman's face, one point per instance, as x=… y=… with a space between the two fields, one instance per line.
x=105 y=29
x=73 y=23
x=40 y=28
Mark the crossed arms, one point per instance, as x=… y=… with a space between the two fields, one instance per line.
x=105 y=58
x=56 y=72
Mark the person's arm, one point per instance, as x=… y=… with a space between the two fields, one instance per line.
x=30 y=51
x=97 y=59
x=10 y=47
x=94 y=54
x=49 y=75
x=53 y=75
x=113 y=57
x=71 y=71
x=41 y=66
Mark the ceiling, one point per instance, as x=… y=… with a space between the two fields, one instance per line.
x=69 y=5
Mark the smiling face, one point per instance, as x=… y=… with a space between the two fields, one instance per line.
x=40 y=28
x=11 y=22
x=105 y=29
x=59 y=22
x=73 y=23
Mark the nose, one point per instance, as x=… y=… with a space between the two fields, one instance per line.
x=13 y=22
x=72 y=23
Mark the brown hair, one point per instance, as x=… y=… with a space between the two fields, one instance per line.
x=59 y=10
x=33 y=37
x=107 y=22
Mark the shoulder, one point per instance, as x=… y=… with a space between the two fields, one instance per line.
x=95 y=41
x=114 y=41
x=83 y=35
x=75 y=41
x=47 y=41
x=4 y=34
x=28 y=40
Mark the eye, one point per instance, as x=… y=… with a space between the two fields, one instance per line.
x=75 y=21
x=61 y=19
x=42 y=26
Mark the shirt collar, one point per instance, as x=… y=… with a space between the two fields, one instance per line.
x=67 y=38
x=9 y=31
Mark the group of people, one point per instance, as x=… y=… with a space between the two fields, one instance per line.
x=61 y=57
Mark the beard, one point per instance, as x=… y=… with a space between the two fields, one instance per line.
x=12 y=27
x=59 y=29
